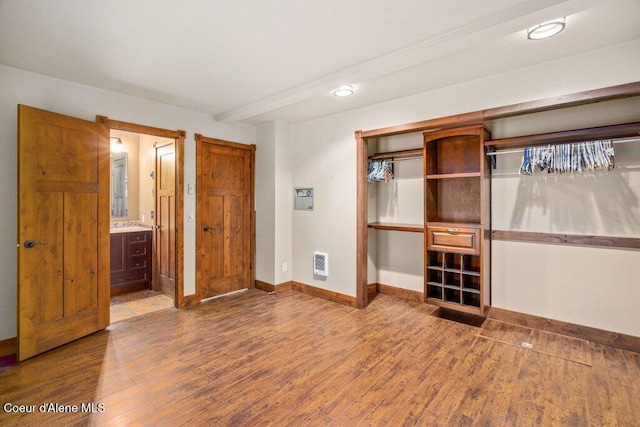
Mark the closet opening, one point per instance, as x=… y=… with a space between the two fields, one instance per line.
x=145 y=219
x=395 y=216
x=460 y=227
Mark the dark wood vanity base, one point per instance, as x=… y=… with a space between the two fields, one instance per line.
x=130 y=262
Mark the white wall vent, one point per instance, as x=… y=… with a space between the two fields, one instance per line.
x=320 y=263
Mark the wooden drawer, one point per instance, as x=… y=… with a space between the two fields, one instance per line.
x=461 y=240
x=138 y=250
x=138 y=263
x=139 y=238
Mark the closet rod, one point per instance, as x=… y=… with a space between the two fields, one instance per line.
x=400 y=159
x=521 y=150
x=410 y=153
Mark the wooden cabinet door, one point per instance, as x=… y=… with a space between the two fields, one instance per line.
x=224 y=245
x=63 y=229
x=118 y=251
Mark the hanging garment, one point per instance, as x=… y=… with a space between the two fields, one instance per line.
x=575 y=157
x=380 y=171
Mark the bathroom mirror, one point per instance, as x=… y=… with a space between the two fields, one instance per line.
x=119 y=181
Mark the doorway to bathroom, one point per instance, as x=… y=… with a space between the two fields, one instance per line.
x=146 y=218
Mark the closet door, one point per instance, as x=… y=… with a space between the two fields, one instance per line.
x=224 y=212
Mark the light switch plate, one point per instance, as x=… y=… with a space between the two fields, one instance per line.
x=191 y=188
x=191 y=217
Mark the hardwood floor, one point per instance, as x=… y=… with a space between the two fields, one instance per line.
x=292 y=359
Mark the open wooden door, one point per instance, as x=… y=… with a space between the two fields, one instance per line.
x=63 y=229
x=224 y=239
x=166 y=218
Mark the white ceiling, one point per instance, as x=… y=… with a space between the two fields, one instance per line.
x=260 y=60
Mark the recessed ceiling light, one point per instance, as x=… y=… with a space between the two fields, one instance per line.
x=343 y=91
x=546 y=29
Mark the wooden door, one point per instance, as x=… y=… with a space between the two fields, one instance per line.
x=166 y=218
x=224 y=214
x=63 y=229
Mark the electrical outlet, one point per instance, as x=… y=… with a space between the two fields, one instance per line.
x=284 y=267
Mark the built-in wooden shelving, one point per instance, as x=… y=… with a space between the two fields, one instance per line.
x=483 y=116
x=402 y=154
x=567 y=239
x=456 y=187
x=625 y=130
x=453 y=200
x=454 y=280
x=454 y=175
x=414 y=228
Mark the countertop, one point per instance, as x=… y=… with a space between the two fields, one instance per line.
x=128 y=229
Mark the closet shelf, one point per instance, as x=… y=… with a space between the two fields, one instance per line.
x=470 y=273
x=454 y=270
x=414 y=228
x=577 y=135
x=416 y=152
x=452 y=287
x=567 y=239
x=453 y=175
x=462 y=224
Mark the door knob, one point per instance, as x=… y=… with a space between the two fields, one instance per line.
x=32 y=244
x=206 y=228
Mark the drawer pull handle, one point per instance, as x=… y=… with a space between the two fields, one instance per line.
x=452 y=230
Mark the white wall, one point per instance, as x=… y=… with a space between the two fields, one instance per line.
x=283 y=201
x=20 y=87
x=398 y=256
x=325 y=158
x=583 y=285
x=274 y=202
x=266 y=203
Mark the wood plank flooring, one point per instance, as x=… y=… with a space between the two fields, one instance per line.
x=292 y=359
x=573 y=349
